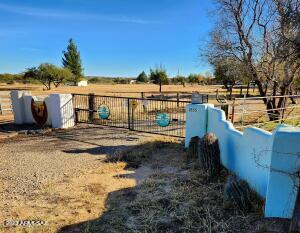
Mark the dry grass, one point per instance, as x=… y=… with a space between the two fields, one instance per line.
x=143 y=153
x=131 y=90
x=176 y=197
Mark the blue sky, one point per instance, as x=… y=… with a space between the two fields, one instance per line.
x=115 y=37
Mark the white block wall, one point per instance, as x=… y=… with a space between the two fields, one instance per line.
x=268 y=162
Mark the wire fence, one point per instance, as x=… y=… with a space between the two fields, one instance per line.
x=265 y=112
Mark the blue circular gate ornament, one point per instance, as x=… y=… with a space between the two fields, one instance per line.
x=162 y=119
x=103 y=111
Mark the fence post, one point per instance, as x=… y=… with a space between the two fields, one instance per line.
x=243 y=110
x=132 y=118
x=178 y=98
x=232 y=113
x=143 y=98
x=91 y=99
x=224 y=107
x=76 y=116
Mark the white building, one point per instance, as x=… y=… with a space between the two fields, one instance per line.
x=82 y=83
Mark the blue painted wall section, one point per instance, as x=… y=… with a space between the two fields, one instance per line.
x=266 y=161
x=285 y=167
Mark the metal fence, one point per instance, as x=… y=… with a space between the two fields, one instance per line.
x=157 y=116
x=253 y=111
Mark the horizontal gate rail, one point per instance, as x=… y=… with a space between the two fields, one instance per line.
x=137 y=98
x=156 y=116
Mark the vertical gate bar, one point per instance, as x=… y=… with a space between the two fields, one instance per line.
x=91 y=107
x=143 y=98
x=128 y=112
x=76 y=115
x=132 y=118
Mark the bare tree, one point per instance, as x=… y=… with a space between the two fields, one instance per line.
x=262 y=36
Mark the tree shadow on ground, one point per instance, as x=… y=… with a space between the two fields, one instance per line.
x=97 y=137
x=87 y=133
x=99 y=150
x=12 y=127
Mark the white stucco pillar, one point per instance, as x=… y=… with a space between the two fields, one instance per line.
x=196 y=121
x=28 y=118
x=18 y=106
x=61 y=110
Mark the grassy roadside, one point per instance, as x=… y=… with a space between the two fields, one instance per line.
x=176 y=197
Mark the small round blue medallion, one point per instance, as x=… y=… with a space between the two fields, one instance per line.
x=162 y=119
x=103 y=111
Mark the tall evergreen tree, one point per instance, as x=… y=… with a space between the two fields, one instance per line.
x=142 y=78
x=71 y=60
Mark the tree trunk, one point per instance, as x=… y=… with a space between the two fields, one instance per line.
x=292 y=98
x=160 y=86
x=275 y=84
x=248 y=87
x=282 y=100
x=57 y=84
x=230 y=94
x=47 y=85
x=270 y=103
x=261 y=90
x=273 y=114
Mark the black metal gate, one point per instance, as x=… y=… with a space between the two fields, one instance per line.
x=166 y=117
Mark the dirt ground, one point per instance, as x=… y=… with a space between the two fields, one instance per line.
x=99 y=179
x=129 y=90
x=60 y=177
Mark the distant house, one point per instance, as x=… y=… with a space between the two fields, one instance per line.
x=82 y=83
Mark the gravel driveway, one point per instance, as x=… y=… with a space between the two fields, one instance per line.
x=31 y=160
